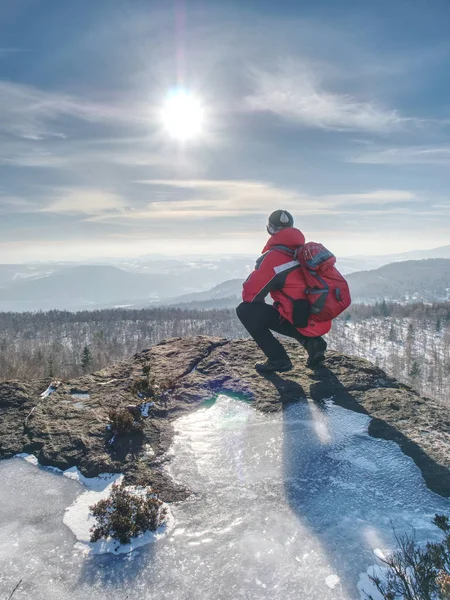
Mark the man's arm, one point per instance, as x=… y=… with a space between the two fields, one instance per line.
x=262 y=280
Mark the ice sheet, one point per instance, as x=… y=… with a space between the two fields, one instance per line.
x=284 y=506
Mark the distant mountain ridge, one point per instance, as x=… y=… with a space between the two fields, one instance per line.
x=227 y=289
x=351 y=264
x=83 y=287
x=427 y=280
x=214 y=282
x=441 y=252
x=75 y=286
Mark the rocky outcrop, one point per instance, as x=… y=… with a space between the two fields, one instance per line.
x=70 y=426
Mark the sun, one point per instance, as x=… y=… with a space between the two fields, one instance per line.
x=183 y=116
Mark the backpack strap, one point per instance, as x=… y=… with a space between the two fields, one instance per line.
x=300 y=306
x=321 y=294
x=293 y=255
x=286 y=250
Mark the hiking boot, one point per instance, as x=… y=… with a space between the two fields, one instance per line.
x=316 y=351
x=271 y=366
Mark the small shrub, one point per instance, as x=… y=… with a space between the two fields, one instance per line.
x=140 y=386
x=164 y=385
x=149 y=387
x=125 y=515
x=122 y=421
x=417 y=572
x=161 y=389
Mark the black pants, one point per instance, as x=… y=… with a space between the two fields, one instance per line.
x=260 y=320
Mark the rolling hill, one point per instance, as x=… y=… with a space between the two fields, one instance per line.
x=427 y=280
x=414 y=280
x=78 y=287
x=84 y=287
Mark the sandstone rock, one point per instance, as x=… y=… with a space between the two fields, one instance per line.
x=70 y=426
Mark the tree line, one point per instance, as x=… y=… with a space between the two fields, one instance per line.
x=411 y=342
x=66 y=344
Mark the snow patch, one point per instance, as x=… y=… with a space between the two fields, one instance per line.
x=78 y=516
x=144 y=408
x=80 y=521
x=96 y=484
x=80 y=406
x=379 y=554
x=148 y=451
x=30 y=458
x=332 y=581
x=48 y=391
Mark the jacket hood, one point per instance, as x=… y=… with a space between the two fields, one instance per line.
x=291 y=237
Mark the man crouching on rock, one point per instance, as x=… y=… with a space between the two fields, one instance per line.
x=277 y=273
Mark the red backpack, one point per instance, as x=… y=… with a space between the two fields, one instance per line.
x=328 y=292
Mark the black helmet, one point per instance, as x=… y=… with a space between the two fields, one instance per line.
x=280 y=219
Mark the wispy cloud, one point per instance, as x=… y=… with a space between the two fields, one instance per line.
x=15 y=204
x=376 y=197
x=209 y=213
x=193 y=199
x=215 y=199
x=72 y=154
x=408 y=155
x=239 y=204
x=82 y=201
x=298 y=94
x=7 y=51
x=14 y=156
x=31 y=113
x=228 y=198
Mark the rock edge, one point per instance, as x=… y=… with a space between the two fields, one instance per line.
x=65 y=431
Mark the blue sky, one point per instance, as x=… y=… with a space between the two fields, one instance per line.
x=336 y=111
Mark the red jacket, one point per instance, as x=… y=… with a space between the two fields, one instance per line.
x=275 y=270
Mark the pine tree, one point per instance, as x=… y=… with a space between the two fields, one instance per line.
x=415 y=370
x=50 y=368
x=409 y=345
x=86 y=359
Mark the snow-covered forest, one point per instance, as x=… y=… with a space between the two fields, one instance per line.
x=411 y=342
x=65 y=344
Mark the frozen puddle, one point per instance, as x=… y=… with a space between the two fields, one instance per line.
x=285 y=506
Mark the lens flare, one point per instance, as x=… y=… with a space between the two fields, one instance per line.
x=183 y=116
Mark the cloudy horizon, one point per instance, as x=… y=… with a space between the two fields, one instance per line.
x=339 y=114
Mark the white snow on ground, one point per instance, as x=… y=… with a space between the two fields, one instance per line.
x=79 y=521
x=284 y=506
x=145 y=408
x=332 y=581
x=78 y=517
x=48 y=391
x=148 y=451
x=394 y=344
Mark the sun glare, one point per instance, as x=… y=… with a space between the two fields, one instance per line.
x=183 y=116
